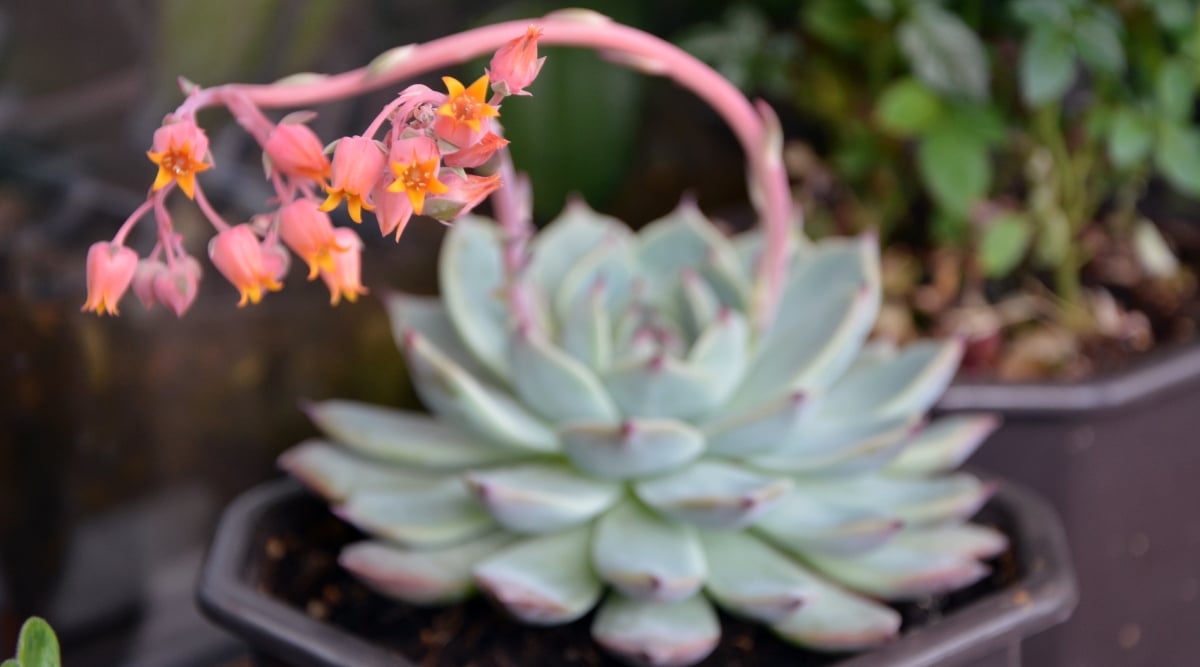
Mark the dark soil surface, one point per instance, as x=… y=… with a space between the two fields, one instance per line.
x=300 y=566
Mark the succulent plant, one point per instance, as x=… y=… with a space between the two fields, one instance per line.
x=639 y=437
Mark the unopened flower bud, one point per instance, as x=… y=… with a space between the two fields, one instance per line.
x=516 y=64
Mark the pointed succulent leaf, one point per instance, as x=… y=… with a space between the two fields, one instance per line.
x=750 y=578
x=461 y=399
x=407 y=438
x=540 y=497
x=758 y=430
x=420 y=576
x=543 y=580
x=918 y=502
x=965 y=540
x=838 y=620
x=647 y=557
x=611 y=263
x=335 y=473
x=851 y=447
x=831 y=265
x=683 y=239
x=899 y=572
x=662 y=387
x=943 y=445
x=803 y=525
x=440 y=515
x=555 y=385
x=713 y=494
x=471 y=276
x=427 y=316
x=635 y=448
x=909 y=384
x=700 y=302
x=749 y=247
x=722 y=272
x=722 y=352
x=657 y=634
x=587 y=333
x=567 y=239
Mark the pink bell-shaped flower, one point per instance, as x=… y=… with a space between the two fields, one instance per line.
x=110 y=269
x=240 y=257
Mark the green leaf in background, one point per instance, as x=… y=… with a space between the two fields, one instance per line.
x=880 y=9
x=907 y=107
x=1004 y=244
x=1174 y=15
x=1098 y=41
x=38 y=646
x=1047 y=67
x=1130 y=137
x=1045 y=13
x=944 y=52
x=1177 y=156
x=835 y=22
x=1174 y=89
x=980 y=121
x=956 y=168
x=1054 y=238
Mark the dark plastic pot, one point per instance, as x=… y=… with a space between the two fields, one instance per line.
x=986 y=632
x=1119 y=458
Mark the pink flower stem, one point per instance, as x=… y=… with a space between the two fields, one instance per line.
x=377 y=123
x=213 y=217
x=131 y=222
x=769 y=186
x=166 y=230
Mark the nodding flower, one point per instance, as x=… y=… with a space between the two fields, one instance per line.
x=240 y=257
x=176 y=285
x=461 y=119
x=110 y=269
x=416 y=170
x=516 y=64
x=180 y=149
x=308 y=231
x=393 y=210
x=357 y=166
x=296 y=151
x=344 y=280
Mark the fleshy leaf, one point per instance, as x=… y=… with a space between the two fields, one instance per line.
x=37 y=645
x=831 y=265
x=850 y=447
x=722 y=352
x=420 y=576
x=713 y=494
x=471 y=276
x=539 y=498
x=804 y=525
x=662 y=387
x=335 y=473
x=943 y=445
x=566 y=240
x=635 y=448
x=752 y=579
x=551 y=382
x=544 y=580
x=681 y=240
x=965 y=540
x=465 y=401
x=700 y=302
x=427 y=316
x=645 y=556
x=440 y=515
x=918 y=502
x=657 y=634
x=587 y=333
x=837 y=620
x=908 y=384
x=758 y=430
x=611 y=263
x=407 y=438
x=897 y=571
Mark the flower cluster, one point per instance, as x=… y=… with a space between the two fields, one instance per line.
x=417 y=166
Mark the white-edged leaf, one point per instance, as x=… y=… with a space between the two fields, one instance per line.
x=427 y=315
x=420 y=576
x=555 y=385
x=758 y=430
x=540 y=497
x=750 y=578
x=802 y=525
x=837 y=620
x=543 y=580
x=908 y=384
x=662 y=387
x=471 y=276
x=657 y=634
x=440 y=515
x=645 y=556
x=635 y=448
x=943 y=445
x=713 y=494
x=849 y=447
x=335 y=473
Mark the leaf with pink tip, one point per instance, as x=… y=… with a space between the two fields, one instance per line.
x=713 y=494
x=852 y=447
x=555 y=385
x=645 y=556
x=831 y=265
x=909 y=384
x=472 y=280
x=700 y=302
x=440 y=515
x=611 y=263
x=965 y=540
x=918 y=502
x=406 y=438
x=544 y=580
x=837 y=620
x=760 y=429
x=635 y=448
x=427 y=316
x=722 y=352
x=587 y=334
x=750 y=578
x=683 y=239
x=459 y=398
x=560 y=245
x=663 y=387
x=803 y=525
x=335 y=473
x=901 y=571
x=943 y=445
x=420 y=576
x=540 y=497
x=657 y=634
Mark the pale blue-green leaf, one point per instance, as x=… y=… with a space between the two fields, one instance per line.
x=943 y=445
x=683 y=239
x=558 y=387
x=421 y=576
x=37 y=645
x=427 y=316
x=567 y=239
x=724 y=274
x=611 y=264
x=944 y=52
x=456 y=396
x=713 y=494
x=1047 y=66
x=966 y=540
x=915 y=501
x=700 y=302
x=828 y=265
x=752 y=579
x=837 y=620
x=803 y=525
x=758 y=430
x=749 y=247
x=663 y=387
x=722 y=351
x=540 y=497
x=471 y=276
x=587 y=333
x=898 y=572
x=440 y=515
x=636 y=448
x=657 y=634
x=543 y=580
x=335 y=473
x=907 y=385
x=840 y=448
x=645 y=556
x=407 y=438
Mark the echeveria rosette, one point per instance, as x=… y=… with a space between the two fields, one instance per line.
x=638 y=438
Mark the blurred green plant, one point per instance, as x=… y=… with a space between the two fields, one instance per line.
x=37 y=646
x=1003 y=130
